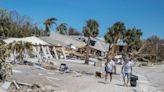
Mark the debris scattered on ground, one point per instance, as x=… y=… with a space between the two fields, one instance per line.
x=39 y=67
x=74 y=80
x=49 y=78
x=26 y=87
x=6 y=85
x=49 y=67
x=16 y=85
x=28 y=63
x=63 y=67
x=25 y=84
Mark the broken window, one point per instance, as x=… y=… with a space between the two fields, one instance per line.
x=92 y=43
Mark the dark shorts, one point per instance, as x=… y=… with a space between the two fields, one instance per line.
x=109 y=73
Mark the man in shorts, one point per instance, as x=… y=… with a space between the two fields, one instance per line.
x=109 y=65
x=126 y=71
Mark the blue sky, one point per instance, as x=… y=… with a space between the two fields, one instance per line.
x=147 y=15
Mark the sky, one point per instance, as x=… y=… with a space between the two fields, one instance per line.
x=147 y=15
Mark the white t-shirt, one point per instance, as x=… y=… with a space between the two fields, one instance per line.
x=110 y=65
x=127 y=67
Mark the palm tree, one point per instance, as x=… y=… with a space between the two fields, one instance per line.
x=62 y=29
x=132 y=37
x=91 y=29
x=48 y=24
x=113 y=35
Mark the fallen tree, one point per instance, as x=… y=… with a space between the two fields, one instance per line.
x=151 y=51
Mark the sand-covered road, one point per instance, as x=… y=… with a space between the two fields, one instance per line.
x=69 y=82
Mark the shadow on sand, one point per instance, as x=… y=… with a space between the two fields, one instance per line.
x=134 y=90
x=103 y=82
x=119 y=85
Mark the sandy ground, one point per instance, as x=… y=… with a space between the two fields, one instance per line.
x=154 y=74
x=69 y=82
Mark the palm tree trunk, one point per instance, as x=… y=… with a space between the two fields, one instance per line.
x=108 y=53
x=114 y=46
x=87 y=51
x=113 y=49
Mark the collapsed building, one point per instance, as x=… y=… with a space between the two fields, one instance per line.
x=57 y=46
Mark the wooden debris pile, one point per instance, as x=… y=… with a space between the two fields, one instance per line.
x=15 y=86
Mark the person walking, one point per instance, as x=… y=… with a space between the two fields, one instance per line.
x=109 y=65
x=126 y=71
